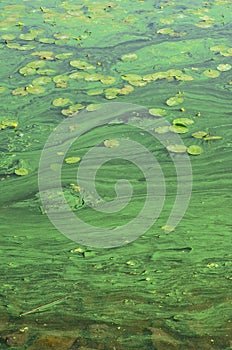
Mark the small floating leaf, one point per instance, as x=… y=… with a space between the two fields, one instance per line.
x=183 y=121
x=72 y=160
x=174 y=101
x=211 y=73
x=81 y=65
x=212 y=138
x=111 y=143
x=194 y=150
x=35 y=89
x=158 y=112
x=20 y=91
x=199 y=134
x=177 y=148
x=60 y=101
x=21 y=172
x=107 y=80
x=162 y=129
x=129 y=57
x=178 y=129
x=224 y=67
x=93 y=107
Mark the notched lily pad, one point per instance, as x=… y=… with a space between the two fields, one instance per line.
x=178 y=129
x=157 y=112
x=21 y=171
x=183 y=121
x=211 y=73
x=174 y=101
x=224 y=67
x=177 y=148
x=194 y=150
x=82 y=65
x=199 y=134
x=60 y=102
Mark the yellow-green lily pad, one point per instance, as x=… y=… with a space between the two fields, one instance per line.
x=63 y=56
x=177 y=148
x=36 y=64
x=72 y=160
x=212 y=138
x=211 y=73
x=94 y=92
x=199 y=134
x=111 y=143
x=27 y=36
x=35 y=89
x=60 y=102
x=93 y=107
x=178 y=129
x=21 y=172
x=46 y=71
x=224 y=67
x=194 y=150
x=41 y=81
x=174 y=101
x=183 y=121
x=60 y=78
x=157 y=112
x=126 y=89
x=107 y=80
x=81 y=65
x=27 y=71
x=129 y=57
x=20 y=91
x=8 y=37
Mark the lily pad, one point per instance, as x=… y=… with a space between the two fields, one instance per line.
x=126 y=89
x=107 y=80
x=224 y=67
x=36 y=64
x=194 y=150
x=8 y=37
x=82 y=65
x=72 y=160
x=21 y=172
x=157 y=112
x=95 y=92
x=60 y=102
x=162 y=129
x=111 y=143
x=20 y=91
x=46 y=40
x=63 y=56
x=199 y=134
x=183 y=121
x=177 y=148
x=174 y=101
x=211 y=73
x=129 y=57
x=93 y=107
x=41 y=81
x=212 y=138
x=27 y=71
x=178 y=129
x=35 y=89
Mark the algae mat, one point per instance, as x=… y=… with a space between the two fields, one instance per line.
x=171 y=287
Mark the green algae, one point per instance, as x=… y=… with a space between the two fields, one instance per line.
x=178 y=282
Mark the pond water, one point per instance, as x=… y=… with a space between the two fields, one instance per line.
x=136 y=82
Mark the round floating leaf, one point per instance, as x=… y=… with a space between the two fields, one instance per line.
x=157 y=112
x=41 y=81
x=20 y=91
x=183 y=121
x=35 y=64
x=224 y=67
x=81 y=65
x=129 y=57
x=72 y=160
x=46 y=71
x=162 y=129
x=60 y=102
x=35 y=89
x=95 y=92
x=21 y=172
x=165 y=31
x=199 y=134
x=93 y=77
x=43 y=54
x=126 y=90
x=93 y=107
x=27 y=36
x=63 y=56
x=60 y=78
x=111 y=143
x=194 y=150
x=131 y=77
x=184 y=77
x=219 y=48
x=178 y=129
x=27 y=71
x=177 y=148
x=107 y=80
x=174 y=101
x=46 y=40
x=211 y=73
x=8 y=37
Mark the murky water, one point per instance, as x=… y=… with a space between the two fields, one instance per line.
x=161 y=291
